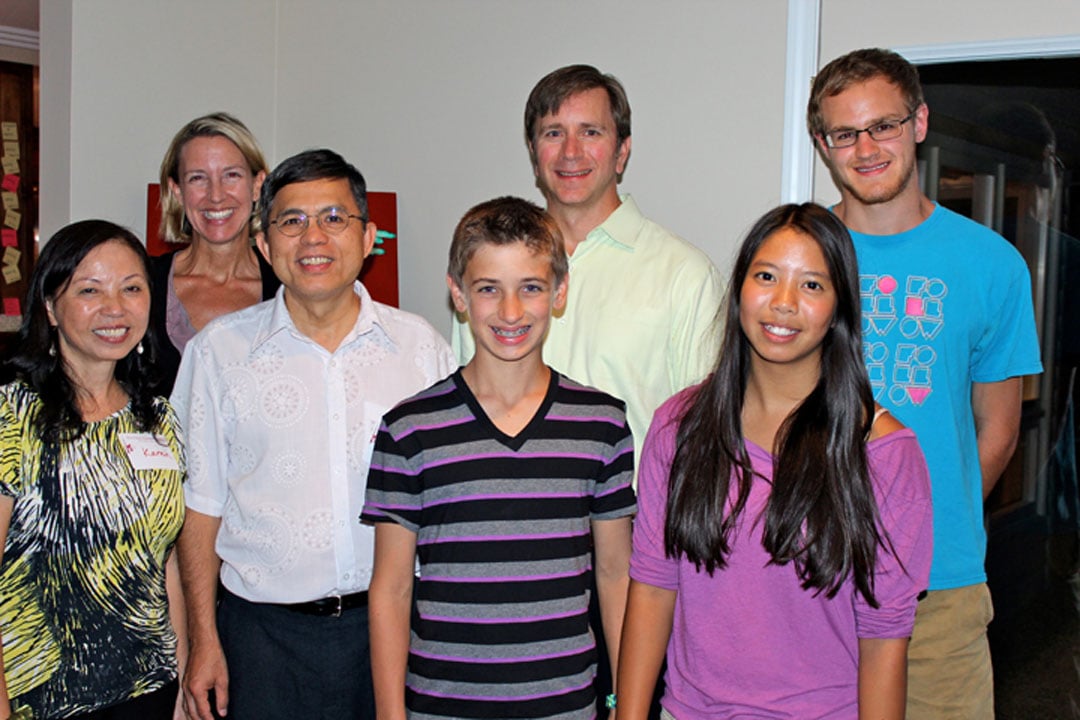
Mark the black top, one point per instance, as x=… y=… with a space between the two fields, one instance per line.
x=168 y=356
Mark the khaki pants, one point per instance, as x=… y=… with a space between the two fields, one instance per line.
x=949 y=671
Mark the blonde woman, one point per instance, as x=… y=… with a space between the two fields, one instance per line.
x=210 y=181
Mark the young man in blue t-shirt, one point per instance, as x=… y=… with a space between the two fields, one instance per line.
x=947 y=341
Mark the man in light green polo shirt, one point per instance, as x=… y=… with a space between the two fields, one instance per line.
x=639 y=321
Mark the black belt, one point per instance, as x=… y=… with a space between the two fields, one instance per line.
x=331 y=606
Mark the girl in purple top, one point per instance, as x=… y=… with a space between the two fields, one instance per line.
x=783 y=534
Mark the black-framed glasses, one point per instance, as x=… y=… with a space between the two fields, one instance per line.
x=884 y=130
x=333 y=221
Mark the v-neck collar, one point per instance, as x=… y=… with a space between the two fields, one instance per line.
x=514 y=442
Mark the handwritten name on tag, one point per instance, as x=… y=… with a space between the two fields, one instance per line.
x=146 y=453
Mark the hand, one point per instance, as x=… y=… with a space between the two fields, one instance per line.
x=206 y=672
x=179 y=711
x=381 y=236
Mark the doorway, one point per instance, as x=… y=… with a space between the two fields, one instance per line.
x=1004 y=149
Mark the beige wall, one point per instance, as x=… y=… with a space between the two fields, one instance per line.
x=426 y=97
x=850 y=24
x=139 y=71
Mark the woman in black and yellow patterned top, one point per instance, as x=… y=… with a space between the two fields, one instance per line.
x=90 y=491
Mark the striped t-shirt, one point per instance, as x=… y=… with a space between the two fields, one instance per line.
x=500 y=626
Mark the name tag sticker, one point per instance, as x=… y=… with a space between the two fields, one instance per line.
x=146 y=453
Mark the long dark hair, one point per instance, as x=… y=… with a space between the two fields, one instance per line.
x=821 y=513
x=44 y=371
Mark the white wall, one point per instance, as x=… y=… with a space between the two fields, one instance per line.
x=850 y=24
x=426 y=98
x=140 y=70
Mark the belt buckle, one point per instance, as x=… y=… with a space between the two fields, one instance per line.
x=337 y=610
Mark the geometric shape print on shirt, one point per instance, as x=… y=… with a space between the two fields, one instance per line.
x=918 y=315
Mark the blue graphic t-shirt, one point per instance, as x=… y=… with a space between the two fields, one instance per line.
x=944 y=305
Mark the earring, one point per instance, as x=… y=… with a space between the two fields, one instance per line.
x=52 y=350
x=139 y=348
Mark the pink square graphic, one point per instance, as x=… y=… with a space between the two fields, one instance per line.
x=913 y=307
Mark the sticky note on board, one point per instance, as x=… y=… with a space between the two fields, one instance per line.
x=11 y=165
x=10 y=183
x=11 y=148
x=9 y=238
x=9 y=130
x=12 y=219
x=11 y=255
x=12 y=306
x=11 y=200
x=11 y=274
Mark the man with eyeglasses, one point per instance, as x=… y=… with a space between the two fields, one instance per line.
x=949 y=331
x=280 y=403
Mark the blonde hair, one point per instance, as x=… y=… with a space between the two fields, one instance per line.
x=174 y=226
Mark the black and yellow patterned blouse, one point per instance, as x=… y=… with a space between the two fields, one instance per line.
x=83 y=609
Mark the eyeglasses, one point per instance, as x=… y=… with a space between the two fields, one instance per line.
x=884 y=130
x=333 y=221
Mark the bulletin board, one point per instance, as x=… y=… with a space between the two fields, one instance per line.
x=18 y=191
x=380 y=272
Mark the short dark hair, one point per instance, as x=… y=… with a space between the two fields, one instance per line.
x=555 y=87
x=503 y=221
x=856 y=67
x=36 y=361
x=321 y=164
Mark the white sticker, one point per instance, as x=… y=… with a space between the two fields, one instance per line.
x=146 y=453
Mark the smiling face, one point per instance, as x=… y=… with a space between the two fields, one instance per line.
x=577 y=157
x=317 y=266
x=787 y=302
x=102 y=313
x=508 y=293
x=216 y=188
x=871 y=171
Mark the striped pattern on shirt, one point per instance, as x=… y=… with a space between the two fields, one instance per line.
x=500 y=624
